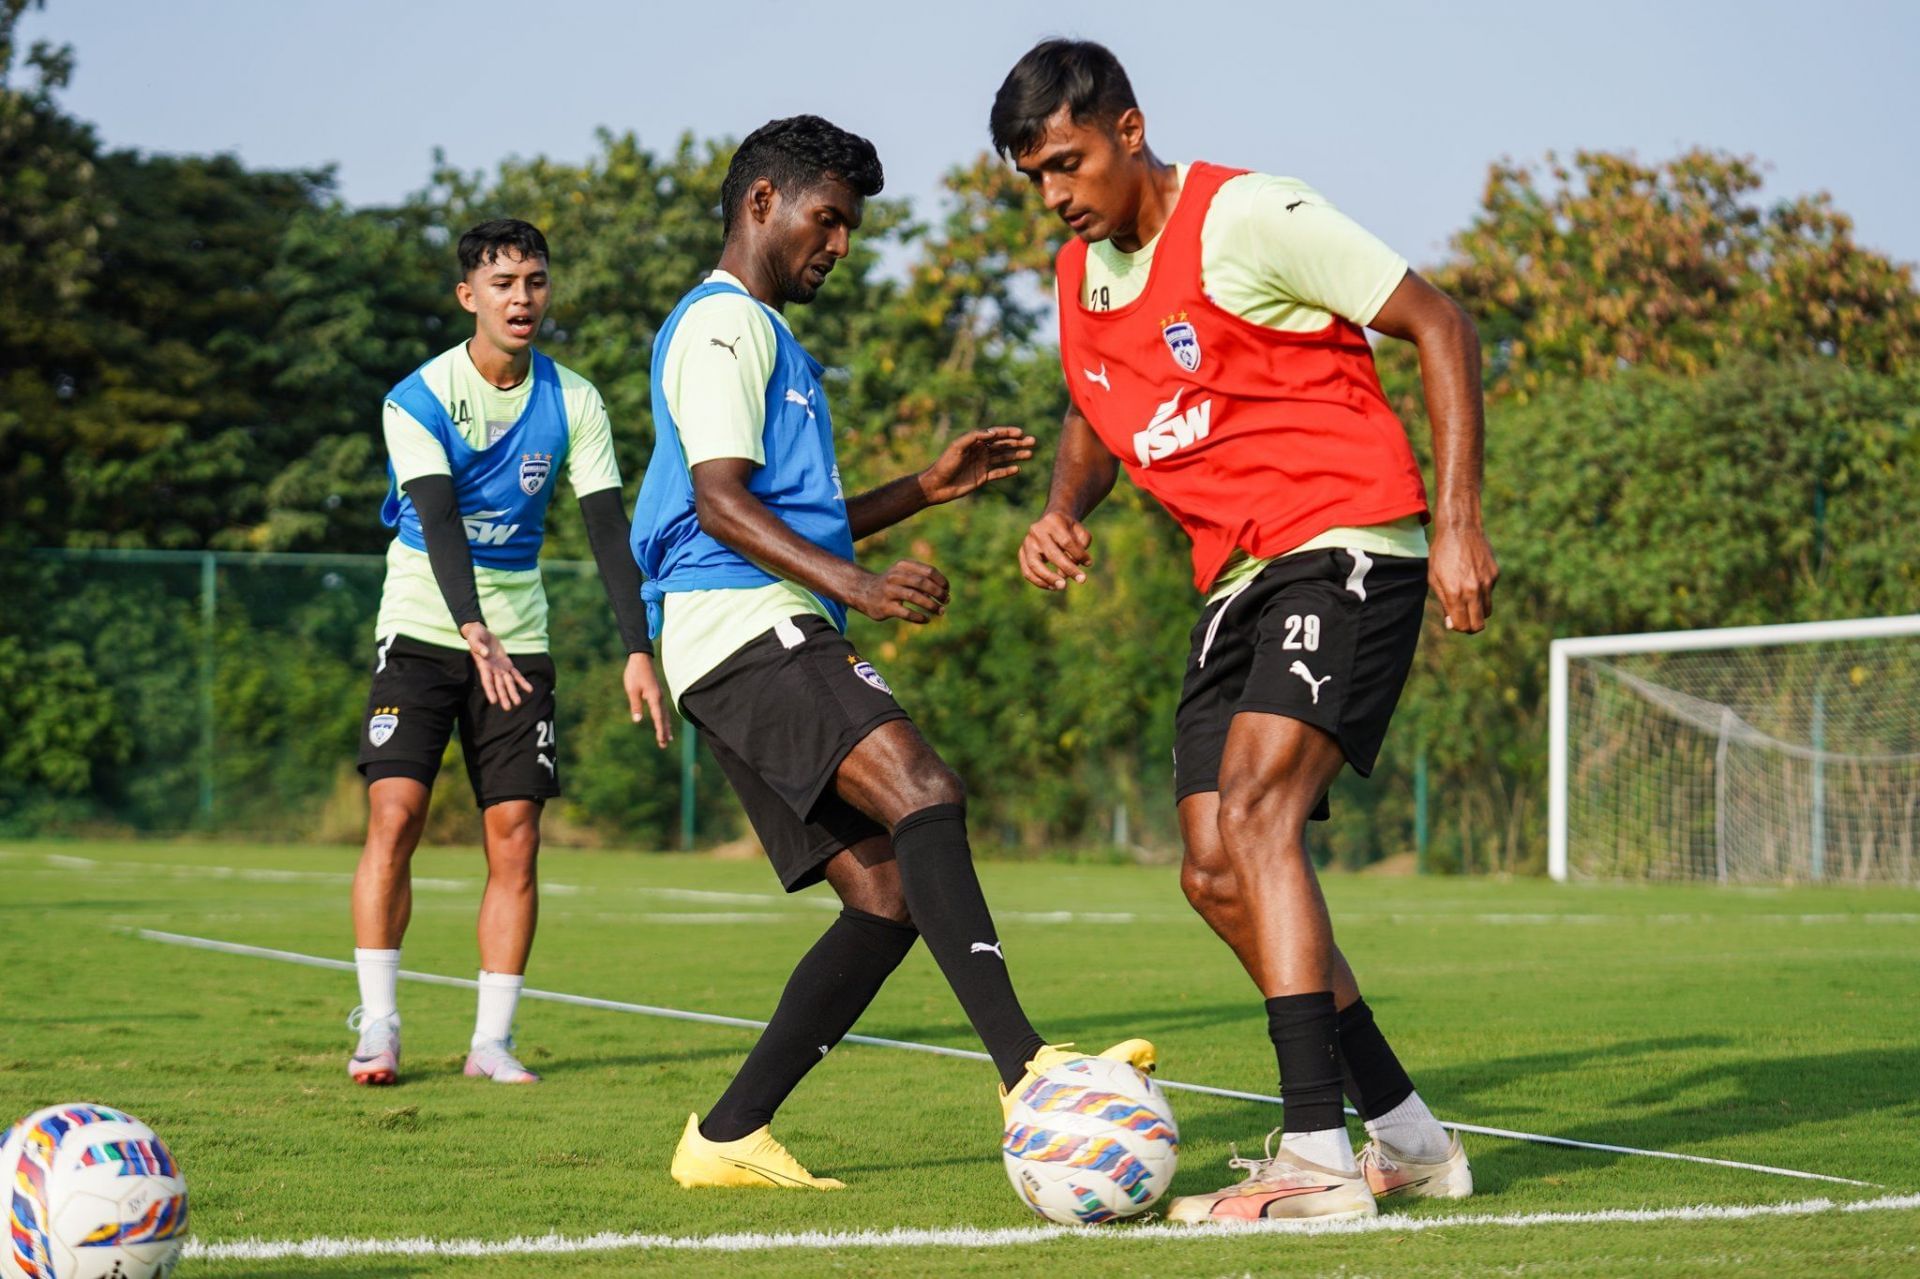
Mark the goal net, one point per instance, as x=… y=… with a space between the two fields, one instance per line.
x=1756 y=754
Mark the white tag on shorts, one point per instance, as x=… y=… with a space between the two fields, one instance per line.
x=788 y=634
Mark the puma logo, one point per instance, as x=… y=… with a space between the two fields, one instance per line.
x=1291 y=207
x=1100 y=377
x=726 y=346
x=381 y=649
x=1300 y=669
x=823 y=1050
x=987 y=948
x=548 y=764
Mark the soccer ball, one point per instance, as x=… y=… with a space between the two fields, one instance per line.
x=1090 y=1140
x=91 y=1193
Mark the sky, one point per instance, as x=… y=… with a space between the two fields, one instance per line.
x=1393 y=109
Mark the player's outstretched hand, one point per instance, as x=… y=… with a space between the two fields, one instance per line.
x=1462 y=571
x=909 y=591
x=644 y=699
x=1055 y=549
x=500 y=679
x=974 y=460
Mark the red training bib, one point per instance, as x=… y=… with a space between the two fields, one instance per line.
x=1251 y=437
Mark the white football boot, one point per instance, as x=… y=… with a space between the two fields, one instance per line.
x=1393 y=1175
x=376 y=1059
x=494 y=1060
x=1280 y=1186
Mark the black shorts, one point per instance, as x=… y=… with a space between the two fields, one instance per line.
x=780 y=715
x=420 y=691
x=1324 y=637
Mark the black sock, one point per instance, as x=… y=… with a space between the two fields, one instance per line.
x=830 y=987
x=1308 y=1047
x=943 y=895
x=1375 y=1081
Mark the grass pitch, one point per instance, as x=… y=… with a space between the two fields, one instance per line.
x=1775 y=1027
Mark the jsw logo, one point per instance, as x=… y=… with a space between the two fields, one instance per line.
x=482 y=531
x=1170 y=430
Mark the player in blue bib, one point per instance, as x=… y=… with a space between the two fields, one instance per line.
x=747 y=541
x=500 y=489
x=477 y=440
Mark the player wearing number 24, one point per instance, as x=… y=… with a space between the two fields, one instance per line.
x=476 y=440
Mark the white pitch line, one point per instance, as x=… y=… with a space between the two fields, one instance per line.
x=975 y=1237
x=265 y=874
x=714 y=917
x=256 y=874
x=737 y=899
x=747 y=1023
x=794 y=902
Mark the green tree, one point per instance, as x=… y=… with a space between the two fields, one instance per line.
x=360 y=297
x=52 y=213
x=1615 y=264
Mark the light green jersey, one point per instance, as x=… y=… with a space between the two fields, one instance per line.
x=513 y=601
x=715 y=379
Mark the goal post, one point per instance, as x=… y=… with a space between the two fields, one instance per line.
x=1760 y=754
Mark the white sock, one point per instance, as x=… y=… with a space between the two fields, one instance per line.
x=379 y=973
x=1411 y=1129
x=1329 y=1148
x=499 y=995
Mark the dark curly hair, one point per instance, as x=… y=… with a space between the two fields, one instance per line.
x=797 y=153
x=1079 y=75
x=486 y=242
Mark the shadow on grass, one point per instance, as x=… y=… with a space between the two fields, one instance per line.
x=93 y=1019
x=1714 y=1108
x=1093 y=1031
x=384 y=1268
x=1692 y=1106
x=583 y=1064
x=892 y=1167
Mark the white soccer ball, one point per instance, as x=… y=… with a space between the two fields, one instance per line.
x=1090 y=1140
x=90 y=1193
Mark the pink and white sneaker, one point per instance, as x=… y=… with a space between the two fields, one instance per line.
x=1280 y=1186
x=494 y=1060
x=376 y=1059
x=1392 y=1174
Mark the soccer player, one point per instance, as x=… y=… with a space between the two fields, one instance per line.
x=1210 y=335
x=475 y=439
x=747 y=542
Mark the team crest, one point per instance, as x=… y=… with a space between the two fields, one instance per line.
x=380 y=727
x=866 y=672
x=534 y=468
x=1182 y=341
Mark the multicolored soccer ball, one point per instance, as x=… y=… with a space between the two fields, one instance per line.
x=90 y=1193
x=1090 y=1140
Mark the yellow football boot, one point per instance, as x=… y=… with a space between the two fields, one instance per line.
x=1138 y=1053
x=753 y=1160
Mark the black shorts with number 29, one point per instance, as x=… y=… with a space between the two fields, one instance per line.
x=1325 y=637
x=422 y=692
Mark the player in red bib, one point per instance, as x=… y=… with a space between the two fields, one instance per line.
x=1211 y=334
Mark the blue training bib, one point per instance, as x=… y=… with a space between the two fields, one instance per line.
x=800 y=482
x=503 y=489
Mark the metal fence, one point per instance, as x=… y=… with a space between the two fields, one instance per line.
x=237 y=682
x=224 y=693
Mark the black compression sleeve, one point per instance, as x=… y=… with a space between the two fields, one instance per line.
x=446 y=545
x=607 y=534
